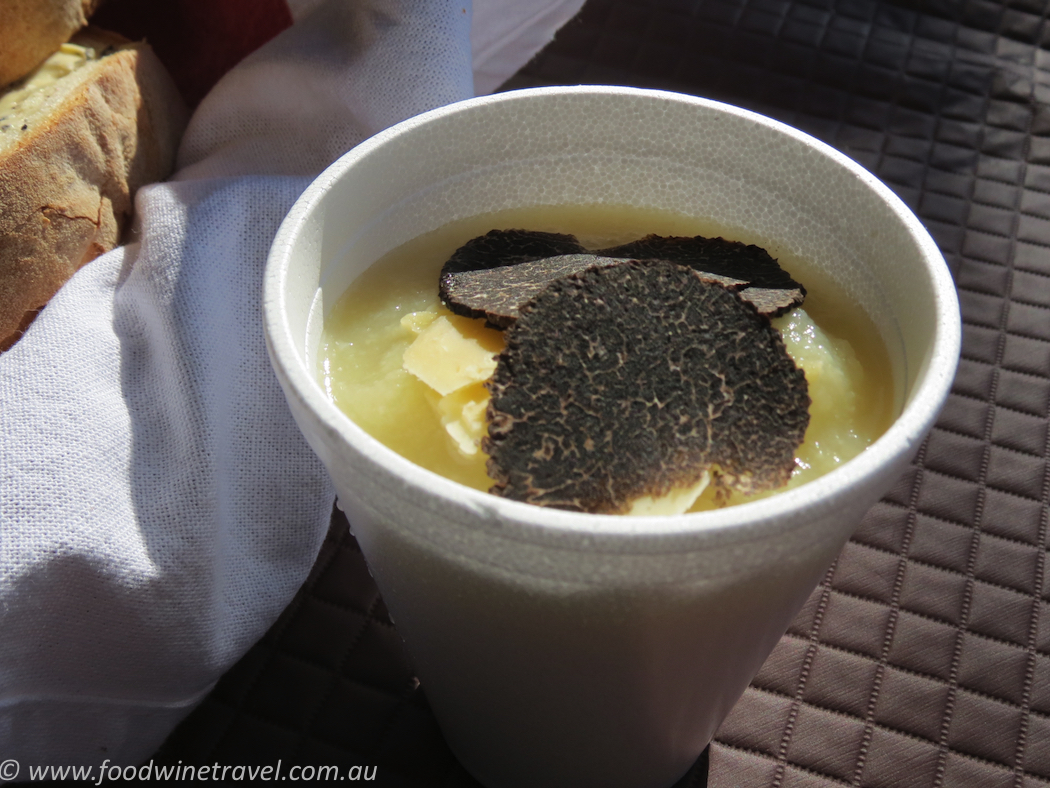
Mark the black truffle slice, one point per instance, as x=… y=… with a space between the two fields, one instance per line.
x=497 y=294
x=761 y=279
x=467 y=291
x=509 y=247
x=633 y=380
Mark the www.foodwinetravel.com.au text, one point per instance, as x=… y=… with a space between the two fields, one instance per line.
x=10 y=770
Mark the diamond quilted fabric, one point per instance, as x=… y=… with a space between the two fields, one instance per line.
x=923 y=659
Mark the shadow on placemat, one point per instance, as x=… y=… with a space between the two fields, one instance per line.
x=330 y=685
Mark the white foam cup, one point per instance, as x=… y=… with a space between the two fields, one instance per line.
x=569 y=650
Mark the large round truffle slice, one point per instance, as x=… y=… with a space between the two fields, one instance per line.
x=761 y=279
x=634 y=380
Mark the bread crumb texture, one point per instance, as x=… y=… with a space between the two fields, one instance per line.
x=30 y=30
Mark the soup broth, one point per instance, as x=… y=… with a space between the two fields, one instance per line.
x=366 y=335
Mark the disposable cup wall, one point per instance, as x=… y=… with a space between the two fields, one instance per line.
x=561 y=649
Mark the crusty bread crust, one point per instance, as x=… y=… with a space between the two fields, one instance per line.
x=67 y=187
x=30 y=30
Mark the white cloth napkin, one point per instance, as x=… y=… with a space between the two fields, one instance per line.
x=158 y=507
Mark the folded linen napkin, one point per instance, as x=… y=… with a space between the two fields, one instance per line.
x=158 y=507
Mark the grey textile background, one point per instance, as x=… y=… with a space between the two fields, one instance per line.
x=924 y=657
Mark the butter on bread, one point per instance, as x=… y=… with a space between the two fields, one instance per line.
x=78 y=136
x=30 y=30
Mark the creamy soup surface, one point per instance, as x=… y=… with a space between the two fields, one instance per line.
x=366 y=334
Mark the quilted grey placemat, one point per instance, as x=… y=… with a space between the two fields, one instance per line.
x=923 y=659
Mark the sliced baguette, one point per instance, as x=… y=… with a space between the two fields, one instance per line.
x=71 y=158
x=30 y=30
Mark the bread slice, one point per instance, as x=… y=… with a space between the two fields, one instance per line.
x=30 y=30
x=104 y=119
